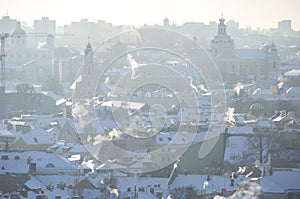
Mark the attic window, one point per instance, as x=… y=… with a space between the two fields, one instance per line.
x=35 y=139
x=4 y=157
x=169 y=138
x=160 y=139
x=49 y=165
x=17 y=157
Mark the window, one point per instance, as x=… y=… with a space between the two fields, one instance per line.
x=274 y=64
x=49 y=165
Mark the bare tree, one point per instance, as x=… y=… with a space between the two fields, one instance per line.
x=260 y=145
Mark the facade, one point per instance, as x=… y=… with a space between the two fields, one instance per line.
x=84 y=86
x=7 y=24
x=96 y=31
x=285 y=26
x=27 y=64
x=260 y=65
x=44 y=26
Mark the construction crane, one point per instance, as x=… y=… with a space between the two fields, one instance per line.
x=2 y=58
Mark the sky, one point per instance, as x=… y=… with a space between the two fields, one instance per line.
x=254 y=13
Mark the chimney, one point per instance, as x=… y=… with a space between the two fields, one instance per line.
x=9 y=126
x=202 y=192
x=223 y=191
x=24 y=193
x=291 y=115
x=32 y=168
x=25 y=128
x=232 y=182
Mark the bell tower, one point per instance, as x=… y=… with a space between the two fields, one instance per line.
x=222 y=44
x=84 y=85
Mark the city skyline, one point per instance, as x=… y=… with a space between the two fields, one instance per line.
x=134 y=12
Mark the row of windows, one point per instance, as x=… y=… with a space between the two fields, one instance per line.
x=222 y=41
x=17 y=41
x=29 y=56
x=252 y=69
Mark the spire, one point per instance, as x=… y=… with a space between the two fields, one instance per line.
x=222 y=26
x=88 y=48
x=222 y=43
x=88 y=52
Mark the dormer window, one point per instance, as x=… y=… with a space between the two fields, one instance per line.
x=49 y=165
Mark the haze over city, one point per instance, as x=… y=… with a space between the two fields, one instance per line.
x=141 y=99
x=255 y=13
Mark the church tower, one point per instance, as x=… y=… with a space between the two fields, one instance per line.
x=88 y=71
x=18 y=46
x=85 y=83
x=222 y=44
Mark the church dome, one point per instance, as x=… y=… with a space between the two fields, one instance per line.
x=18 y=30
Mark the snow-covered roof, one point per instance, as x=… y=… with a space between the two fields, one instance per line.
x=52 y=95
x=59 y=179
x=292 y=73
x=103 y=167
x=128 y=182
x=16 y=162
x=34 y=183
x=182 y=138
x=4 y=132
x=216 y=183
x=281 y=181
x=235 y=146
x=35 y=136
x=123 y=104
x=240 y=130
x=110 y=124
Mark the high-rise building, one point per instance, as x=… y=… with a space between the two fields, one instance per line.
x=44 y=26
x=285 y=26
x=7 y=24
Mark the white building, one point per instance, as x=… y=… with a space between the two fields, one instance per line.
x=24 y=63
x=44 y=26
x=259 y=65
x=7 y=24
